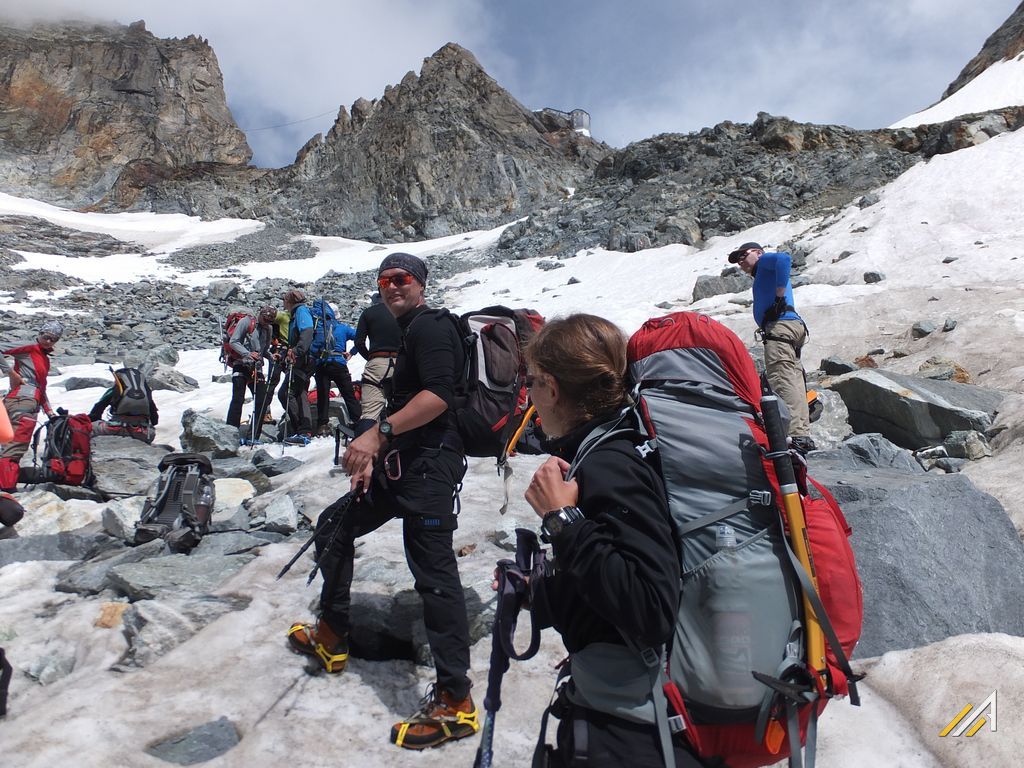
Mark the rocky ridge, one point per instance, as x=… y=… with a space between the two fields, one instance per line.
x=1005 y=43
x=443 y=152
x=81 y=101
x=686 y=188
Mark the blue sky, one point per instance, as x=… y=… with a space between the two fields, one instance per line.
x=640 y=68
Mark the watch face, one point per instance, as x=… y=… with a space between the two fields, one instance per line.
x=554 y=524
x=385 y=428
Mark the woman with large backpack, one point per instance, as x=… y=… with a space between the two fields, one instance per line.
x=615 y=584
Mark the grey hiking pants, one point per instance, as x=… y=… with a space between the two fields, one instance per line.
x=786 y=372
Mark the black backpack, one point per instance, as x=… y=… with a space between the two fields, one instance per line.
x=493 y=403
x=180 y=511
x=133 y=398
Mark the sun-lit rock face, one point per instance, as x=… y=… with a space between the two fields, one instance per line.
x=78 y=102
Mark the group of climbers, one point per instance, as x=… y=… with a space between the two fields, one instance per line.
x=300 y=343
x=616 y=583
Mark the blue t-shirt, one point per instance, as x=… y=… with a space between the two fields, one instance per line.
x=343 y=334
x=302 y=319
x=772 y=272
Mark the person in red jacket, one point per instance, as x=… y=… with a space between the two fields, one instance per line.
x=27 y=396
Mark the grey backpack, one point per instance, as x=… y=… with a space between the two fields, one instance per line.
x=181 y=509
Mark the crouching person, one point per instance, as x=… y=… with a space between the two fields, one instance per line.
x=132 y=410
x=615 y=585
x=410 y=465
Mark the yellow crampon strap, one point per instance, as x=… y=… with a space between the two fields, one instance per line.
x=472 y=719
x=400 y=739
x=331 y=659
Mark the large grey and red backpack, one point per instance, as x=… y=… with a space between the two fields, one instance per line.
x=66 y=450
x=736 y=674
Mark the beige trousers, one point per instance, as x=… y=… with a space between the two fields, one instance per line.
x=786 y=372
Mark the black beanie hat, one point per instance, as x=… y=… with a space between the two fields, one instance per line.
x=411 y=264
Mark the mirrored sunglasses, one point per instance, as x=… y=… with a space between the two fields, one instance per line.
x=400 y=280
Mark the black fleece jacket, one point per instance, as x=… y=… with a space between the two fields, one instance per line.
x=430 y=358
x=616 y=572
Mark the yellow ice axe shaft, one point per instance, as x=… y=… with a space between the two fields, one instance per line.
x=519 y=432
x=797 y=525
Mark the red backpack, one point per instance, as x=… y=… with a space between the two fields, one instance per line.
x=228 y=356
x=736 y=675
x=66 y=450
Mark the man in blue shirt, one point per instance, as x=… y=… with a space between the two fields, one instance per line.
x=300 y=336
x=783 y=333
x=333 y=367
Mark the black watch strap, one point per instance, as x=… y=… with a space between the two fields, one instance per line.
x=558 y=520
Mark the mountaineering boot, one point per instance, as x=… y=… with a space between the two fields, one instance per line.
x=324 y=430
x=301 y=438
x=321 y=642
x=803 y=444
x=440 y=718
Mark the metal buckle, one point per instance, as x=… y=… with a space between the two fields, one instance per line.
x=651 y=657
x=676 y=724
x=763 y=498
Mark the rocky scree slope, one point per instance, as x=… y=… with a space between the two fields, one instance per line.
x=445 y=152
x=686 y=188
x=78 y=102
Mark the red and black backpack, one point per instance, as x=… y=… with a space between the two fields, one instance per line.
x=66 y=450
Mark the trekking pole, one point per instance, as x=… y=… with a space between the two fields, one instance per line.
x=513 y=593
x=287 y=400
x=798 y=537
x=343 y=504
x=256 y=409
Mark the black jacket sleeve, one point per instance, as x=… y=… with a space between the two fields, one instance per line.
x=620 y=564
x=433 y=344
x=360 y=343
x=101 y=405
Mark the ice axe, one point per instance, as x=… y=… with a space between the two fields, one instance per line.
x=793 y=506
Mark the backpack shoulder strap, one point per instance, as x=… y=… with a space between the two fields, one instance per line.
x=620 y=425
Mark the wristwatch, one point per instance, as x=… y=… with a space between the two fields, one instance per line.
x=557 y=521
x=385 y=428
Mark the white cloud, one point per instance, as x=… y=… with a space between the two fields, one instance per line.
x=649 y=67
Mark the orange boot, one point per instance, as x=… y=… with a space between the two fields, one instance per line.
x=321 y=642
x=440 y=718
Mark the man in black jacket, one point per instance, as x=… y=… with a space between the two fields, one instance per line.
x=410 y=465
x=377 y=324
